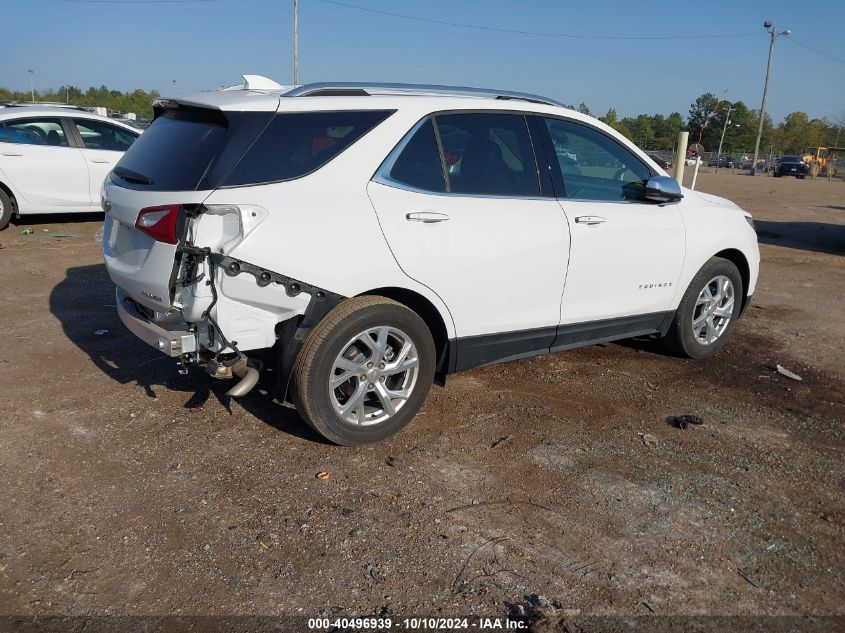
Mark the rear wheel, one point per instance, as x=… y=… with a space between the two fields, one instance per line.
x=364 y=371
x=5 y=209
x=708 y=311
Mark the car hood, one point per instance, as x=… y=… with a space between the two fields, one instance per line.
x=716 y=200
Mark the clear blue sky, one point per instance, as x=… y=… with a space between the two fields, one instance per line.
x=147 y=44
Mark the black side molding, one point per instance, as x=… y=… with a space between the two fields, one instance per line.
x=592 y=332
x=487 y=349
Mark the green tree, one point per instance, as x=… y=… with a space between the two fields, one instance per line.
x=137 y=101
x=612 y=120
x=701 y=114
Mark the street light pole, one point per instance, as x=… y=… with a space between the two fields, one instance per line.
x=774 y=34
x=295 y=42
x=31 y=84
x=721 y=140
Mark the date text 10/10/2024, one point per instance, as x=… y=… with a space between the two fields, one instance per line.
x=415 y=624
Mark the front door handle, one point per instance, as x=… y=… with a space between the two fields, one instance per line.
x=590 y=219
x=12 y=153
x=429 y=217
x=100 y=160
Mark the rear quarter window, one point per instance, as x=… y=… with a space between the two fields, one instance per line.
x=296 y=144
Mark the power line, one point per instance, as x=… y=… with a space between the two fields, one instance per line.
x=135 y=1
x=815 y=50
x=536 y=33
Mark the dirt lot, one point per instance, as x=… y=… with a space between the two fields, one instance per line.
x=128 y=489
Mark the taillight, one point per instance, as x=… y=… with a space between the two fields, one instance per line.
x=159 y=222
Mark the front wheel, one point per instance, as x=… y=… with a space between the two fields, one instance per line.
x=708 y=310
x=364 y=372
x=5 y=210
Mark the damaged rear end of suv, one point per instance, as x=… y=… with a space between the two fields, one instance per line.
x=195 y=277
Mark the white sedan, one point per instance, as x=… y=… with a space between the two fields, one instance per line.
x=55 y=159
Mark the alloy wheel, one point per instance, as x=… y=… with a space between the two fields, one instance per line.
x=713 y=310
x=373 y=376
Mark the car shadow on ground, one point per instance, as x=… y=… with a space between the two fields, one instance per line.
x=84 y=304
x=819 y=237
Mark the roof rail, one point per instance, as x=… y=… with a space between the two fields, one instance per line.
x=40 y=104
x=353 y=88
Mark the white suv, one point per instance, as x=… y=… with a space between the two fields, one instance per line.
x=359 y=242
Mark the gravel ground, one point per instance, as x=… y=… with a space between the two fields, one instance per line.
x=129 y=489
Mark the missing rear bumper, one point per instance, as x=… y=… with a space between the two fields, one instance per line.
x=174 y=343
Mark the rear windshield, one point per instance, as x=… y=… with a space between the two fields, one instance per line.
x=187 y=149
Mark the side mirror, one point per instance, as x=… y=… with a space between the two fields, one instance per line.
x=662 y=189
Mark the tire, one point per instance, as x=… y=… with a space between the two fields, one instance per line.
x=6 y=209
x=683 y=339
x=337 y=344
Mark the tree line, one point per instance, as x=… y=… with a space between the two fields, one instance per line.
x=137 y=101
x=705 y=121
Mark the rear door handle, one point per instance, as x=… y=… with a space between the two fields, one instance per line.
x=590 y=219
x=429 y=217
x=100 y=160
x=12 y=154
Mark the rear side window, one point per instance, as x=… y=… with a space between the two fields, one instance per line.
x=296 y=144
x=488 y=154
x=419 y=163
x=101 y=135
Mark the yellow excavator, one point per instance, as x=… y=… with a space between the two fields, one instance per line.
x=821 y=160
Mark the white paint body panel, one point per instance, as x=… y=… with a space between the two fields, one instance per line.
x=499 y=264
x=45 y=177
x=627 y=265
x=100 y=162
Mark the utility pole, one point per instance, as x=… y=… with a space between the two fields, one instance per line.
x=774 y=34
x=721 y=140
x=295 y=42
x=31 y=83
x=681 y=156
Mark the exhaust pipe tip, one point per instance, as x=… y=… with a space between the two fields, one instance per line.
x=248 y=378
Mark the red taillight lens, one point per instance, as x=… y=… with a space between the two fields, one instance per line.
x=159 y=222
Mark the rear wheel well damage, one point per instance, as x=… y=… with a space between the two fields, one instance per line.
x=738 y=259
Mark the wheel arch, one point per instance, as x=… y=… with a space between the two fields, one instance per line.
x=8 y=191
x=429 y=313
x=738 y=259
